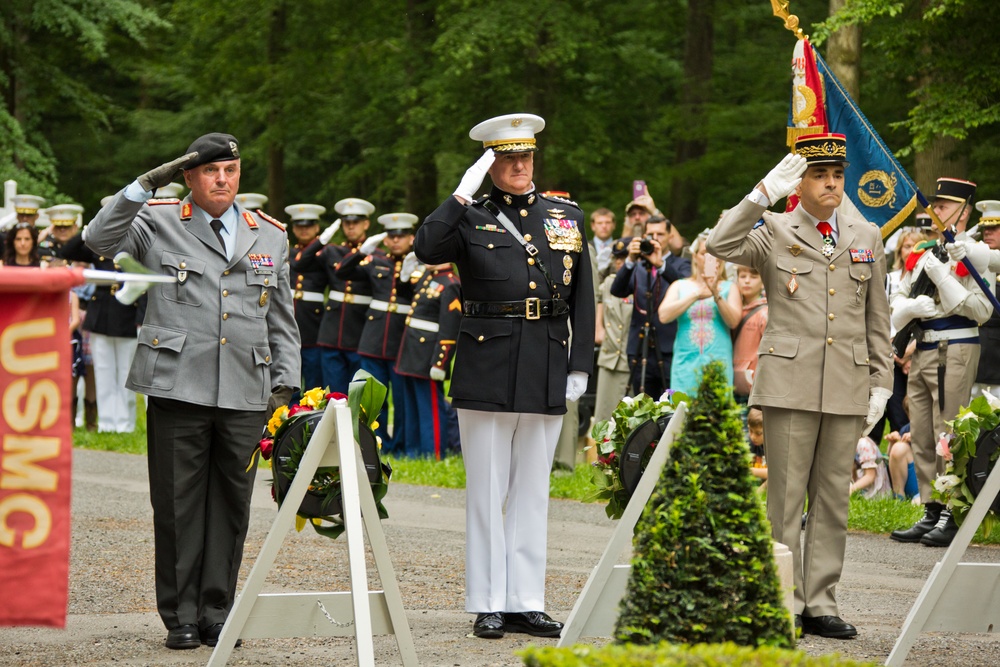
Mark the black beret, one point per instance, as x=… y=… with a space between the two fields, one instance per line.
x=214 y=147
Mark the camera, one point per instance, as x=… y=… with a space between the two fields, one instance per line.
x=646 y=245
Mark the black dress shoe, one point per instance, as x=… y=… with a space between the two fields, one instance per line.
x=536 y=623
x=489 y=625
x=932 y=513
x=210 y=635
x=183 y=636
x=828 y=626
x=943 y=533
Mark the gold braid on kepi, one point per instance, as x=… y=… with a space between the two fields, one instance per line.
x=990 y=208
x=511 y=133
x=825 y=148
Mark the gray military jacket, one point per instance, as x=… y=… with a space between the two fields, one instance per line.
x=224 y=335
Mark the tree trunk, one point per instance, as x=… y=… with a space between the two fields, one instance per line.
x=942 y=157
x=843 y=54
x=692 y=143
x=276 y=146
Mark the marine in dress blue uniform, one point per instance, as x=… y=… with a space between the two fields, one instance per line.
x=308 y=280
x=386 y=316
x=424 y=361
x=516 y=365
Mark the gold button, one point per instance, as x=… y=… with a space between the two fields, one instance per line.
x=831 y=316
x=490 y=246
x=524 y=214
x=829 y=341
x=833 y=267
x=156 y=341
x=794 y=270
x=371 y=317
x=832 y=291
x=222 y=342
x=225 y=292
x=564 y=343
x=866 y=360
x=267 y=281
x=298 y=286
x=441 y=356
x=531 y=261
x=527 y=237
x=225 y=316
x=480 y=339
x=423 y=340
x=532 y=284
x=301 y=277
x=183 y=265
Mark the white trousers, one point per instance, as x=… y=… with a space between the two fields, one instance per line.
x=508 y=456
x=115 y=404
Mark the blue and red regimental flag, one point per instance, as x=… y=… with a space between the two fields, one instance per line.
x=875 y=183
x=36 y=448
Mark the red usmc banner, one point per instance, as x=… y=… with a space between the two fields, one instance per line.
x=35 y=445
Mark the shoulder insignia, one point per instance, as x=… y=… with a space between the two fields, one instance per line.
x=162 y=202
x=759 y=223
x=248 y=216
x=186 y=212
x=271 y=220
x=561 y=200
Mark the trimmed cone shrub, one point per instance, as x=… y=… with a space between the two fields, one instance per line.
x=703 y=566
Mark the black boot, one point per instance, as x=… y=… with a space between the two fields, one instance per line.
x=943 y=533
x=932 y=512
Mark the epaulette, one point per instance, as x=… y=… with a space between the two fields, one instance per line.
x=271 y=220
x=160 y=202
x=561 y=200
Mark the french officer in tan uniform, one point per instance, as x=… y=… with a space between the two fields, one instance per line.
x=218 y=351
x=824 y=372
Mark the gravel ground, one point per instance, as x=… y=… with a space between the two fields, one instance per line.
x=112 y=610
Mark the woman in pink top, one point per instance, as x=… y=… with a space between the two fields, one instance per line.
x=747 y=335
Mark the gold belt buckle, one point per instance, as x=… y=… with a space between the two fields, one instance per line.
x=392 y=307
x=298 y=295
x=348 y=298
x=532 y=308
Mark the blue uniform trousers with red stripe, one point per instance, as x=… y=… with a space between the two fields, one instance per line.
x=427 y=428
x=383 y=371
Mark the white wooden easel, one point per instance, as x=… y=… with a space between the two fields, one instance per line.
x=358 y=612
x=957 y=597
x=596 y=610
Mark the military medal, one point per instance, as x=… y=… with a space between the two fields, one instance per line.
x=827 y=246
x=567 y=277
x=792 y=285
x=567 y=261
x=796 y=250
x=263 y=297
x=563 y=234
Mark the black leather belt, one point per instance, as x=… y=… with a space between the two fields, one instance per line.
x=530 y=309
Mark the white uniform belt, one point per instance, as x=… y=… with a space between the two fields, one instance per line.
x=933 y=336
x=360 y=299
x=299 y=295
x=423 y=325
x=385 y=306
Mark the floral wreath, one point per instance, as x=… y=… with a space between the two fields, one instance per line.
x=611 y=435
x=952 y=488
x=365 y=397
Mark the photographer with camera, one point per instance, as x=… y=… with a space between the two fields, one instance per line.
x=646 y=275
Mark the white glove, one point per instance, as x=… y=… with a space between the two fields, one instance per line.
x=784 y=178
x=936 y=270
x=904 y=310
x=330 y=231
x=474 y=176
x=877 y=399
x=438 y=374
x=130 y=292
x=978 y=253
x=371 y=243
x=576 y=385
x=410 y=264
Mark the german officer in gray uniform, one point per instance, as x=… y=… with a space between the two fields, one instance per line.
x=217 y=350
x=825 y=369
x=526 y=280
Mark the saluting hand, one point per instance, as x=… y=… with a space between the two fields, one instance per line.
x=166 y=173
x=329 y=232
x=784 y=178
x=371 y=243
x=466 y=190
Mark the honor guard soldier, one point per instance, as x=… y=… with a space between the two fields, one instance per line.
x=308 y=283
x=348 y=300
x=943 y=367
x=424 y=360
x=526 y=281
x=25 y=209
x=824 y=372
x=383 y=328
x=218 y=352
x=65 y=223
x=988 y=375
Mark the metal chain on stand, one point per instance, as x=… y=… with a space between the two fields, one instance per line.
x=332 y=620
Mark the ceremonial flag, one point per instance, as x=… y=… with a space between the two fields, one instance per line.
x=875 y=182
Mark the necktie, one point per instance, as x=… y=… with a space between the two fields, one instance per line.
x=217 y=228
x=826 y=230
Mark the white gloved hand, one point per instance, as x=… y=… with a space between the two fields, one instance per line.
x=371 y=243
x=785 y=177
x=576 y=385
x=330 y=231
x=904 y=310
x=877 y=399
x=935 y=269
x=130 y=292
x=438 y=374
x=473 y=178
x=410 y=264
x=978 y=253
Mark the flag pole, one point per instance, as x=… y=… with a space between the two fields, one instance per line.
x=780 y=8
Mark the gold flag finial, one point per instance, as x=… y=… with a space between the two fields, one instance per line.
x=780 y=8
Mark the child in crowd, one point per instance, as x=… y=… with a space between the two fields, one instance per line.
x=870 y=475
x=747 y=334
x=755 y=431
x=901 y=470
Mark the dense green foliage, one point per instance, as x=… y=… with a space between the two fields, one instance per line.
x=703 y=563
x=678 y=655
x=332 y=98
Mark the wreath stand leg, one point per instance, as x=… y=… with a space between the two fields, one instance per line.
x=956 y=596
x=359 y=612
x=596 y=610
